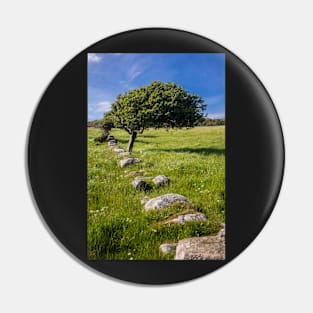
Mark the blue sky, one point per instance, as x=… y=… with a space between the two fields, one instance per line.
x=110 y=74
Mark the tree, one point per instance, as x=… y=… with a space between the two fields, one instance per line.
x=107 y=122
x=156 y=105
x=206 y=121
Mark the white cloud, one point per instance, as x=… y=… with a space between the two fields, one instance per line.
x=134 y=71
x=96 y=110
x=94 y=58
x=134 y=75
x=216 y=115
x=103 y=106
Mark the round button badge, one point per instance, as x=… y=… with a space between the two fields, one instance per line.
x=155 y=156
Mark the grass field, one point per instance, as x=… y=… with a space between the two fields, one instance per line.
x=193 y=160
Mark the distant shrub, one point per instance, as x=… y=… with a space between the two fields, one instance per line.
x=205 y=121
x=105 y=124
x=95 y=123
x=107 y=121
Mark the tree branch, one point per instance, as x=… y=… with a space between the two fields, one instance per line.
x=128 y=130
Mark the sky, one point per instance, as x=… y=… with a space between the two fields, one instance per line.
x=110 y=74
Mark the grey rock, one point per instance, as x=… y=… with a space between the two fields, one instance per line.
x=112 y=143
x=110 y=137
x=123 y=154
x=129 y=161
x=190 y=217
x=136 y=173
x=118 y=150
x=160 y=180
x=201 y=248
x=164 y=201
x=140 y=182
x=168 y=248
x=221 y=233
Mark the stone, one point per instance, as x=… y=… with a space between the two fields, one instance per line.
x=123 y=154
x=136 y=173
x=129 y=161
x=201 y=248
x=161 y=180
x=139 y=182
x=118 y=150
x=165 y=201
x=190 y=217
x=168 y=248
x=221 y=233
x=112 y=143
x=110 y=137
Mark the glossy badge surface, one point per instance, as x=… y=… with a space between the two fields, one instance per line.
x=155 y=156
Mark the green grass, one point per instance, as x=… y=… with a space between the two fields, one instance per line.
x=193 y=160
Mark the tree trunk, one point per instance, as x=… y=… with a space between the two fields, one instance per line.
x=106 y=134
x=131 y=141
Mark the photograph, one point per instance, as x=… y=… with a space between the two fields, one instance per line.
x=156 y=156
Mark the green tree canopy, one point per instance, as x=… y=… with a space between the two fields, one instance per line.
x=107 y=122
x=156 y=105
